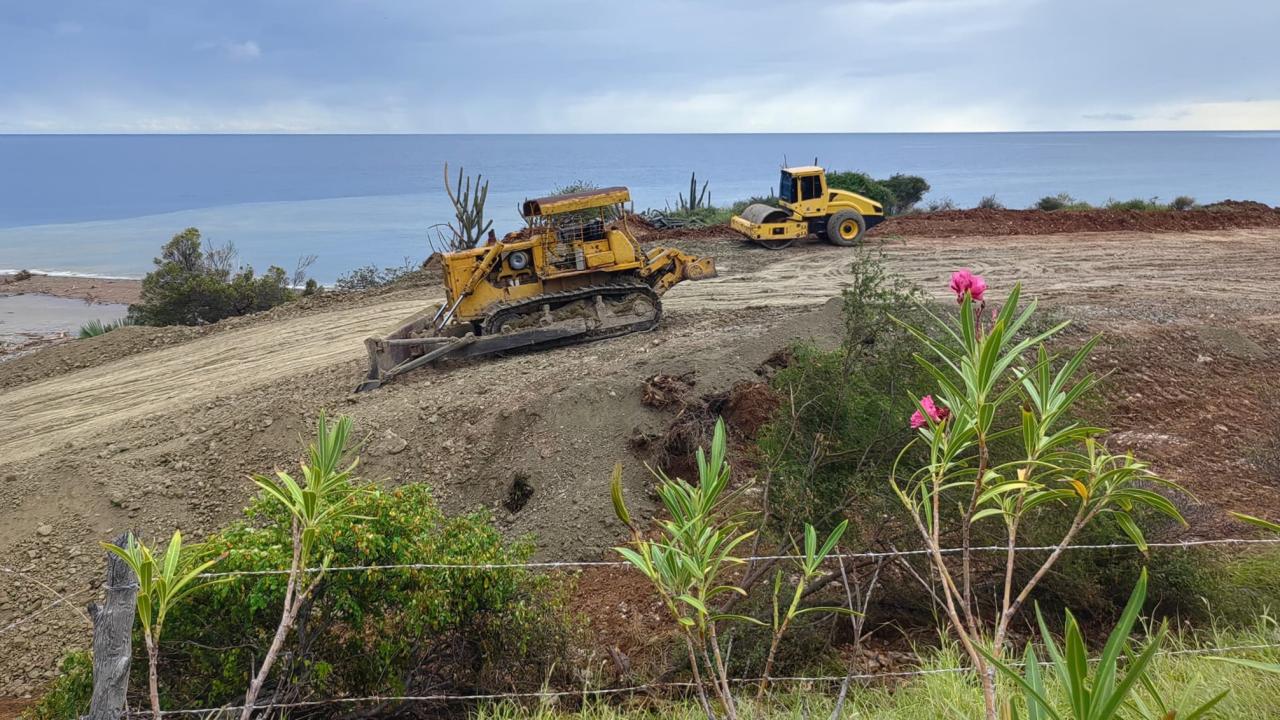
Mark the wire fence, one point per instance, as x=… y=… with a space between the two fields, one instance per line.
x=64 y=599
x=578 y=564
x=582 y=564
x=586 y=693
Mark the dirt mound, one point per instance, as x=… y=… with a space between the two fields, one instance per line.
x=1225 y=215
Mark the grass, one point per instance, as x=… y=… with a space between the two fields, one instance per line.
x=954 y=696
x=94 y=328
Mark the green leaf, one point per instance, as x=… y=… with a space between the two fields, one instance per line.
x=1022 y=682
x=1254 y=664
x=1126 y=523
x=738 y=618
x=1265 y=524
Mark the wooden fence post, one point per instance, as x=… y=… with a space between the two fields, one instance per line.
x=112 y=638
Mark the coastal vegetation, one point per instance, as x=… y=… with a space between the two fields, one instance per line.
x=197 y=284
x=1064 y=201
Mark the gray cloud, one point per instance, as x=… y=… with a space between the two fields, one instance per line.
x=664 y=65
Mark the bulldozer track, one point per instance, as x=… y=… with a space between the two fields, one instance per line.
x=534 y=305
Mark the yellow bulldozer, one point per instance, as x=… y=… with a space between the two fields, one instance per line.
x=808 y=208
x=575 y=274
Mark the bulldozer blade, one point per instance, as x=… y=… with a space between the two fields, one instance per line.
x=463 y=347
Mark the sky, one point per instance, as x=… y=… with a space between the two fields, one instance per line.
x=406 y=66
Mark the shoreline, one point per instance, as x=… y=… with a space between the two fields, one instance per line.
x=96 y=290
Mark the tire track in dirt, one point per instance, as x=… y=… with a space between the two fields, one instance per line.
x=50 y=413
x=1207 y=266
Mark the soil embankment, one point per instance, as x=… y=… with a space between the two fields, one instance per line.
x=151 y=429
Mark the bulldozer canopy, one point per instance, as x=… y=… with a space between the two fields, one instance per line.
x=586 y=200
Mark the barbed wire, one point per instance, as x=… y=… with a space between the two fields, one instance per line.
x=561 y=564
x=631 y=689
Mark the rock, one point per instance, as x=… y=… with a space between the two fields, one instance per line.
x=44 y=530
x=389 y=444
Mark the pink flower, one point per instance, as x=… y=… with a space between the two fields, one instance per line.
x=963 y=281
x=938 y=414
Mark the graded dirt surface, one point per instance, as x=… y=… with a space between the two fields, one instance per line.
x=154 y=429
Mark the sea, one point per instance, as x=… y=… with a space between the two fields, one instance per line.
x=104 y=204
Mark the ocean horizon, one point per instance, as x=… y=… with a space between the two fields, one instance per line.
x=102 y=205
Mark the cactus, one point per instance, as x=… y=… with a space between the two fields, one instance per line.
x=469 y=210
x=696 y=200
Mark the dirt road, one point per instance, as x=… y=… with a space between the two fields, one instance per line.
x=1213 y=269
x=165 y=437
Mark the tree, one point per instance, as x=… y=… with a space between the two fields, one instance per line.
x=194 y=285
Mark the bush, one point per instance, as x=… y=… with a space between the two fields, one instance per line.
x=990 y=202
x=195 y=286
x=576 y=186
x=1137 y=204
x=94 y=328
x=862 y=184
x=395 y=632
x=369 y=276
x=67 y=698
x=941 y=205
x=834 y=448
x=907 y=190
x=741 y=205
x=898 y=194
x=1182 y=202
x=1061 y=201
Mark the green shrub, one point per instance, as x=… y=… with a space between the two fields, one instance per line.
x=394 y=632
x=369 y=277
x=195 y=286
x=708 y=215
x=1061 y=201
x=835 y=447
x=94 y=328
x=990 y=202
x=897 y=195
x=1137 y=204
x=1182 y=202
x=67 y=698
x=907 y=190
x=941 y=205
x=862 y=184
x=741 y=205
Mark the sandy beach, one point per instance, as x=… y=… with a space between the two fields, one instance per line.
x=93 y=290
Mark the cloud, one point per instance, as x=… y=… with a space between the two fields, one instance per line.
x=1111 y=117
x=662 y=66
x=247 y=50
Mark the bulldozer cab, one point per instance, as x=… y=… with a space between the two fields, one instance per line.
x=804 y=189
